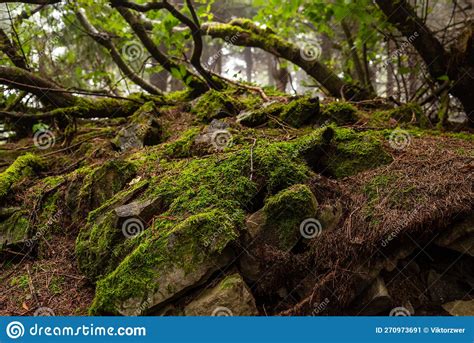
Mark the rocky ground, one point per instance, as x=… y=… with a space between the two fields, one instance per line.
x=236 y=205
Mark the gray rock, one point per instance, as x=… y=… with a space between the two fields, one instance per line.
x=144 y=130
x=231 y=297
x=175 y=281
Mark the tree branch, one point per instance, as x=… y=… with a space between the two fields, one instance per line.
x=245 y=33
x=104 y=40
x=9 y=49
x=188 y=77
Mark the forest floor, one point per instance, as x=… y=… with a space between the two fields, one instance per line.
x=389 y=203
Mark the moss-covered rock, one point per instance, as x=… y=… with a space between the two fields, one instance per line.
x=143 y=130
x=277 y=224
x=23 y=167
x=184 y=146
x=14 y=233
x=99 y=184
x=284 y=212
x=204 y=201
x=301 y=111
x=159 y=269
x=215 y=105
x=352 y=152
x=339 y=112
x=406 y=114
x=231 y=297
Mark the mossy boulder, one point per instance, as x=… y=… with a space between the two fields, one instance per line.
x=405 y=114
x=24 y=166
x=301 y=111
x=204 y=201
x=259 y=116
x=160 y=269
x=109 y=226
x=231 y=297
x=215 y=105
x=340 y=113
x=99 y=184
x=14 y=233
x=352 y=152
x=143 y=129
x=277 y=224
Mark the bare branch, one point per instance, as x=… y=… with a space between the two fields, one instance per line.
x=104 y=40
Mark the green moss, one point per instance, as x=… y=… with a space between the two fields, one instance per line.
x=205 y=196
x=340 y=112
x=101 y=183
x=353 y=152
x=215 y=105
x=182 y=147
x=24 y=166
x=183 y=247
x=300 y=111
x=407 y=113
x=285 y=211
x=229 y=281
x=14 y=229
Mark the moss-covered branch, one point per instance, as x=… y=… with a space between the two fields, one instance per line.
x=243 y=32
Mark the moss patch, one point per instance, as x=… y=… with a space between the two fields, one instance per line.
x=339 y=112
x=215 y=105
x=24 y=166
x=353 y=152
x=285 y=211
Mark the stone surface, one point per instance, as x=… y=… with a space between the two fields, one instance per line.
x=460 y=308
x=14 y=234
x=277 y=224
x=375 y=299
x=459 y=237
x=144 y=130
x=231 y=297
